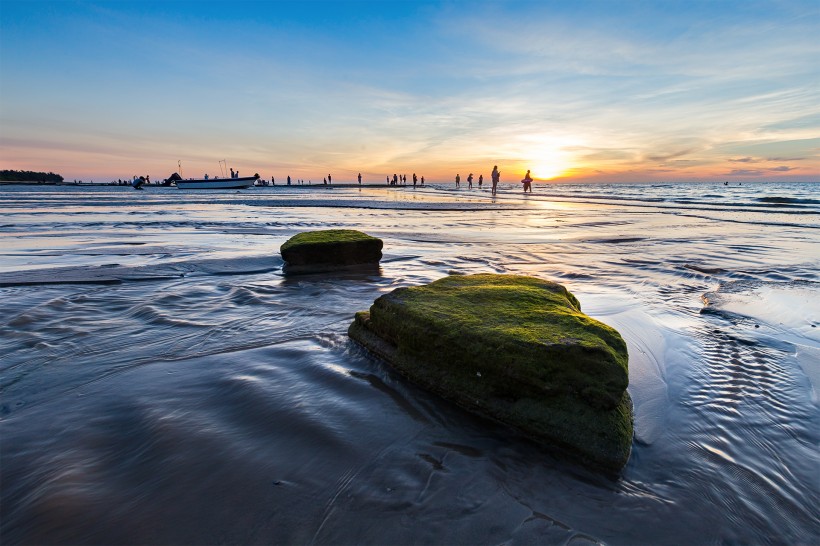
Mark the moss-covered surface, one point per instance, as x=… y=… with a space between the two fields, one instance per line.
x=516 y=349
x=327 y=236
x=322 y=250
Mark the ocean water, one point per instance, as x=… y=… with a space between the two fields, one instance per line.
x=161 y=382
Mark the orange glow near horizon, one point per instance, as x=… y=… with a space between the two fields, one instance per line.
x=550 y=158
x=546 y=158
x=546 y=171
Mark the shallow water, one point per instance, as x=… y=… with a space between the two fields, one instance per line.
x=161 y=382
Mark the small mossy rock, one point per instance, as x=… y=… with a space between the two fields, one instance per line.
x=513 y=348
x=330 y=249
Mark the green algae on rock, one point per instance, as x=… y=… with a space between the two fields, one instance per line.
x=513 y=348
x=326 y=250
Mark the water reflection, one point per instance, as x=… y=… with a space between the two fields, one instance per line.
x=228 y=405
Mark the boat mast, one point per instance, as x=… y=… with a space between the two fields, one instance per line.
x=179 y=167
x=223 y=166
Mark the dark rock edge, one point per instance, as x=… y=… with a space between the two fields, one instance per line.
x=560 y=435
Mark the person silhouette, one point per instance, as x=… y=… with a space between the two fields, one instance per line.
x=480 y=180
x=527 y=181
x=329 y=179
x=458 y=181
x=415 y=179
x=360 y=179
x=496 y=176
x=470 y=181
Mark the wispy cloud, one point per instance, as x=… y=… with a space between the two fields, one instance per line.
x=670 y=155
x=758 y=172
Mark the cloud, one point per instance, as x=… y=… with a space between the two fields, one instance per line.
x=667 y=157
x=609 y=87
x=591 y=154
x=761 y=160
x=758 y=172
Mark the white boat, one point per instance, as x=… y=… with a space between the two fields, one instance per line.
x=217 y=183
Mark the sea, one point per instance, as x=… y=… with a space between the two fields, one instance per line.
x=162 y=381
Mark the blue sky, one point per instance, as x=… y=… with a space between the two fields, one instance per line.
x=609 y=91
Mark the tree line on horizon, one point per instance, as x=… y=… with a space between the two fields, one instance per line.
x=29 y=176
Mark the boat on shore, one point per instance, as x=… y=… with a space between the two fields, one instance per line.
x=217 y=183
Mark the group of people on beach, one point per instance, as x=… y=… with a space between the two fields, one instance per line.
x=470 y=181
x=495 y=177
x=400 y=180
x=327 y=180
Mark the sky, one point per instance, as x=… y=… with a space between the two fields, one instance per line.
x=610 y=91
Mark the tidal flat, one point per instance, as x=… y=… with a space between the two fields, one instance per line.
x=162 y=381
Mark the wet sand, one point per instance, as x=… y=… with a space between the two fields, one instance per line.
x=162 y=382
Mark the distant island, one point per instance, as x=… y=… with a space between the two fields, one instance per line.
x=30 y=176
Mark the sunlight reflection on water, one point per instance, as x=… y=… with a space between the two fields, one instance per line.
x=218 y=401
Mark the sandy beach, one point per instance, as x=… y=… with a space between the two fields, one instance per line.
x=163 y=383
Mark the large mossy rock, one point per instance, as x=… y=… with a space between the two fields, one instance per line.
x=326 y=250
x=515 y=349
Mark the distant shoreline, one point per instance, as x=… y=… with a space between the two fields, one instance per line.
x=116 y=185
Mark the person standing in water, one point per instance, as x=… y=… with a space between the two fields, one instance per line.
x=527 y=182
x=415 y=179
x=496 y=176
x=360 y=179
x=480 y=180
x=422 y=180
x=329 y=179
x=458 y=181
x=470 y=181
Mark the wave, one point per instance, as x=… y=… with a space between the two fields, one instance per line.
x=116 y=274
x=789 y=200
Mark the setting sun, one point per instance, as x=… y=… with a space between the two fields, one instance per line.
x=547 y=171
x=548 y=156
